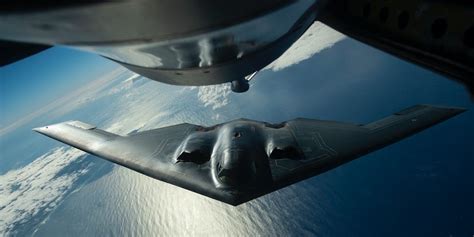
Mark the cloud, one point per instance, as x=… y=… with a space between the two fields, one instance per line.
x=31 y=192
x=40 y=186
x=36 y=187
x=314 y=40
x=215 y=96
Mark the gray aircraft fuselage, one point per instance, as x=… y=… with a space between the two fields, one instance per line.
x=206 y=42
x=239 y=156
x=239 y=153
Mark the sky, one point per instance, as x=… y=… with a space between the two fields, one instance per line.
x=330 y=84
x=31 y=83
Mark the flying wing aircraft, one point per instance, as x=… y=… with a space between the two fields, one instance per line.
x=203 y=42
x=238 y=161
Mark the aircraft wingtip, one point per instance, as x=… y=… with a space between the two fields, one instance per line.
x=39 y=129
x=451 y=110
x=456 y=110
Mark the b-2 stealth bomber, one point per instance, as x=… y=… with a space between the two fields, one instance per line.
x=240 y=160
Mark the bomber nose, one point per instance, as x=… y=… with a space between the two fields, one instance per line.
x=229 y=176
x=235 y=169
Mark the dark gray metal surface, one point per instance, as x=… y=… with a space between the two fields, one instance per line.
x=123 y=21
x=438 y=35
x=176 y=42
x=240 y=160
x=203 y=42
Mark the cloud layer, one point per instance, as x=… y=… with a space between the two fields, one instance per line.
x=126 y=102
x=36 y=187
x=314 y=40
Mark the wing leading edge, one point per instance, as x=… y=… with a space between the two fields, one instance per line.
x=323 y=145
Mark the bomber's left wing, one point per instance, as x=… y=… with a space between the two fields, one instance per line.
x=324 y=145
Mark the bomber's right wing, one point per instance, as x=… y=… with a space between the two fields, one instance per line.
x=153 y=153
